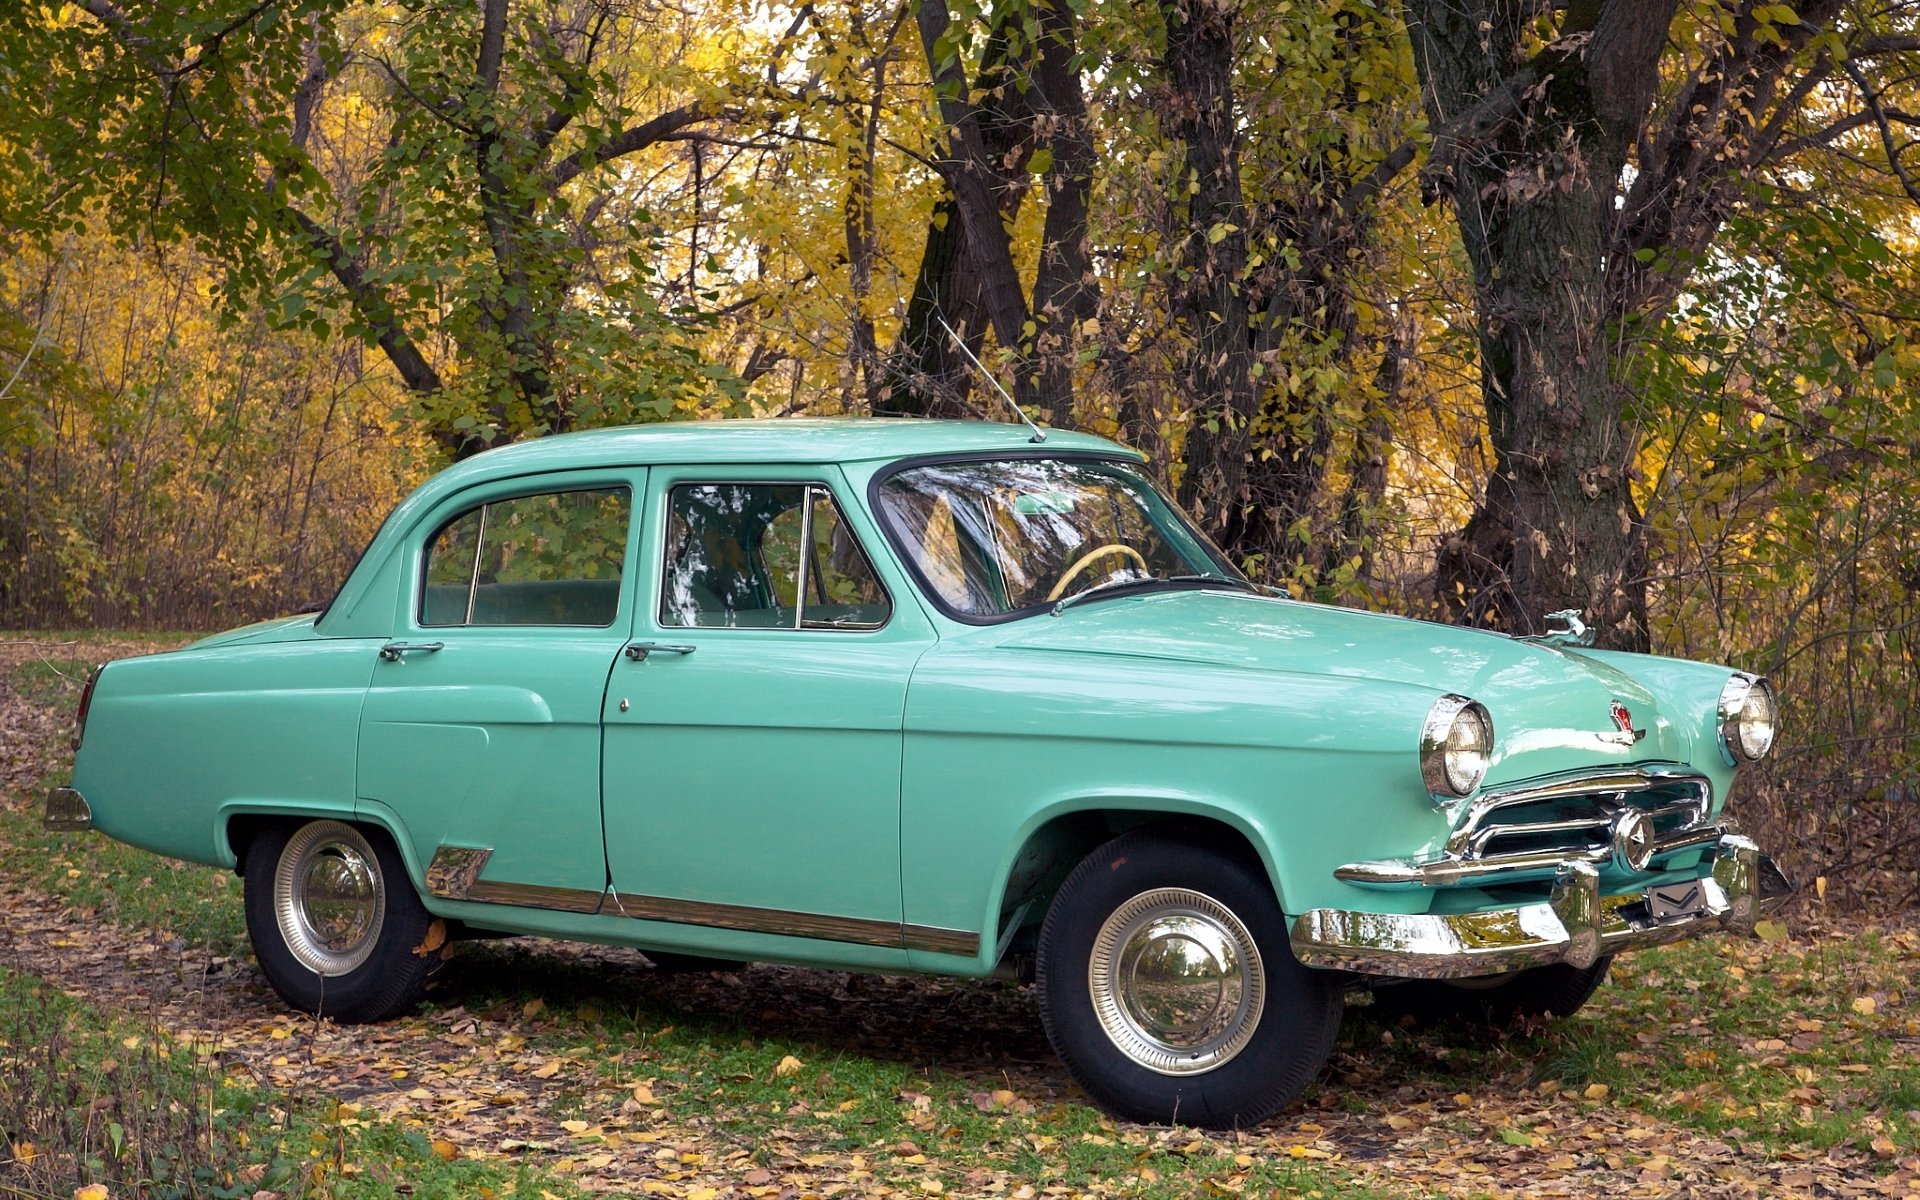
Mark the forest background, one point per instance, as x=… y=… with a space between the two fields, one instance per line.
x=1468 y=309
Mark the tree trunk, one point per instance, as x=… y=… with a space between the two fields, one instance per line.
x=1210 y=302
x=1535 y=189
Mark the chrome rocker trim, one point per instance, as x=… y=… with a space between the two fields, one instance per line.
x=67 y=811
x=454 y=874
x=1576 y=926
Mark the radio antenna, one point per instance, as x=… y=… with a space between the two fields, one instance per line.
x=1039 y=434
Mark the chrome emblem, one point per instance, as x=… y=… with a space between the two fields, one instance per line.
x=1625 y=734
x=1633 y=840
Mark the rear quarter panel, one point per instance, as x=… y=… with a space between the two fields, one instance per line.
x=175 y=742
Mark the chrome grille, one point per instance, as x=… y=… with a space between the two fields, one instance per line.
x=1581 y=823
x=1537 y=830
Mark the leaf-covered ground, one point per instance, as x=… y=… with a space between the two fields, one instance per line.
x=1723 y=1068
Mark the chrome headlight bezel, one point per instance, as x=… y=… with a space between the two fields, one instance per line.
x=1747 y=702
x=1452 y=770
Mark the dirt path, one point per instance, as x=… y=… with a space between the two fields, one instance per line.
x=475 y=1081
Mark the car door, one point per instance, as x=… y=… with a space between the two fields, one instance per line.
x=753 y=735
x=480 y=736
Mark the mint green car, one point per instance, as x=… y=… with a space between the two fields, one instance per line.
x=935 y=697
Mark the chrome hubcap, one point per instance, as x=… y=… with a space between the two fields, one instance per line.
x=328 y=898
x=1176 y=981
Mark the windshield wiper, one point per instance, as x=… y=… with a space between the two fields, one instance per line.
x=1113 y=586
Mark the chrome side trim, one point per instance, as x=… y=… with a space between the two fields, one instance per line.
x=455 y=869
x=1578 y=925
x=454 y=874
x=935 y=940
x=857 y=930
x=529 y=895
x=67 y=810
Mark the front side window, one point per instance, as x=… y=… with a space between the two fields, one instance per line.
x=992 y=538
x=766 y=556
x=550 y=559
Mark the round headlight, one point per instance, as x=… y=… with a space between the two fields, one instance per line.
x=1749 y=719
x=1456 y=744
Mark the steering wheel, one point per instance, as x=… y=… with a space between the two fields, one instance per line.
x=1088 y=559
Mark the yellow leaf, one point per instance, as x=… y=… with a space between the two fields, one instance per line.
x=93 y=1191
x=446 y=1149
x=436 y=938
x=1863 y=1005
x=547 y=1070
x=932 y=1185
x=533 y=1008
x=1399 y=1124
x=1596 y=1091
x=644 y=1093
x=788 y=1066
x=1820 y=886
x=1770 y=930
x=575 y=1126
x=25 y=1152
x=701 y=1193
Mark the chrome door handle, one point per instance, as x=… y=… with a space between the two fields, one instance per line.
x=638 y=651
x=392 y=651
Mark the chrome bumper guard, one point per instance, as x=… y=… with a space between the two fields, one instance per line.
x=67 y=810
x=1577 y=925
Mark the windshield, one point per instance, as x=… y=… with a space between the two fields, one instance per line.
x=993 y=538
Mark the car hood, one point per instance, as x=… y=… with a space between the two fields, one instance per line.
x=1551 y=705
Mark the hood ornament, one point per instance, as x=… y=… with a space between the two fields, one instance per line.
x=1574 y=631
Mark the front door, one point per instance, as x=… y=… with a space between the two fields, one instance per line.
x=753 y=735
x=481 y=731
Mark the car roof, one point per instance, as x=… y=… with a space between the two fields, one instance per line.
x=773 y=440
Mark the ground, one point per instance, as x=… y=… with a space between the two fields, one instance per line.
x=1781 y=1066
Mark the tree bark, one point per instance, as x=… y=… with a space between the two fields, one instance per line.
x=1536 y=199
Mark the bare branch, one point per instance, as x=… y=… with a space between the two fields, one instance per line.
x=633 y=139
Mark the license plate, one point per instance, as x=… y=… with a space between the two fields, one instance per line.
x=1671 y=901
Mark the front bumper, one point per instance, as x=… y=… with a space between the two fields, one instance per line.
x=67 y=810
x=1577 y=925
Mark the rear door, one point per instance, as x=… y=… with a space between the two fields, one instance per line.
x=481 y=729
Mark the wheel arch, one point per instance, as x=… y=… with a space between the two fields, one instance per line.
x=239 y=822
x=1056 y=838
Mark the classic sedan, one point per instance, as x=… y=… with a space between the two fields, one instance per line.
x=946 y=697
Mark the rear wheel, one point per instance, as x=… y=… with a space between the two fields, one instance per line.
x=1168 y=987
x=1558 y=990
x=335 y=923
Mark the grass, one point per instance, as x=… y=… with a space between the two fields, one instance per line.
x=94 y=1099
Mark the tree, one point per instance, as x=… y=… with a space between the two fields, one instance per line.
x=1592 y=154
x=443 y=180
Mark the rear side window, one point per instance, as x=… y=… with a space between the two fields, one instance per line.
x=550 y=559
x=766 y=556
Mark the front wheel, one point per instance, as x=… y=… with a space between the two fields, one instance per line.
x=1168 y=987
x=335 y=923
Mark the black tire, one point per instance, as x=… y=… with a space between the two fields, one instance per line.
x=372 y=963
x=1552 y=991
x=1118 y=917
